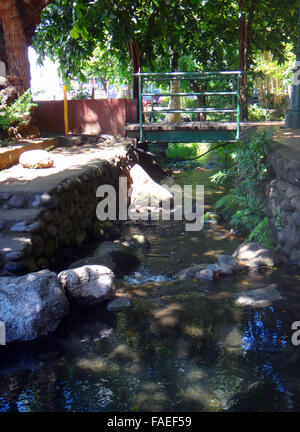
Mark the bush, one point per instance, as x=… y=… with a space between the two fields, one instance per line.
x=165 y=100
x=278 y=108
x=81 y=94
x=258 y=113
x=270 y=110
x=182 y=150
x=19 y=112
x=246 y=171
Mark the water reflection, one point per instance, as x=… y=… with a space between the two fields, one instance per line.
x=258 y=336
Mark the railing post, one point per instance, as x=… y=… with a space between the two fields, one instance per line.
x=141 y=109
x=152 y=101
x=233 y=97
x=238 y=106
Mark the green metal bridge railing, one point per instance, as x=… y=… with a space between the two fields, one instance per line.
x=233 y=79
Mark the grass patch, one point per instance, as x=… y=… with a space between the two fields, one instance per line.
x=186 y=150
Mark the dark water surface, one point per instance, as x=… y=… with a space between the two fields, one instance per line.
x=183 y=346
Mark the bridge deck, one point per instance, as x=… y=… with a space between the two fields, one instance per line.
x=182 y=126
x=166 y=132
x=193 y=131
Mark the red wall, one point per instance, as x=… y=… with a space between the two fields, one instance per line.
x=91 y=116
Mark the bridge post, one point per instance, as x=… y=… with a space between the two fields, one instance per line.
x=292 y=119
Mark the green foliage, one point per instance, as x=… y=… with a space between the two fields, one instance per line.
x=246 y=170
x=100 y=35
x=262 y=234
x=189 y=103
x=271 y=82
x=186 y=150
x=182 y=150
x=106 y=35
x=18 y=112
x=277 y=106
x=271 y=110
x=165 y=100
x=258 y=113
x=220 y=177
x=246 y=162
x=272 y=76
x=81 y=94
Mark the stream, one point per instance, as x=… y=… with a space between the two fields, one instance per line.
x=182 y=346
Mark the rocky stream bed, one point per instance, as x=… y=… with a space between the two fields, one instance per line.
x=178 y=336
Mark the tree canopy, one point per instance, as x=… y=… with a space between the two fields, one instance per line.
x=131 y=35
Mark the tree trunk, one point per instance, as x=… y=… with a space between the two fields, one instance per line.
x=174 y=101
x=245 y=39
x=243 y=58
x=136 y=61
x=174 y=88
x=18 y=66
x=201 y=99
x=104 y=83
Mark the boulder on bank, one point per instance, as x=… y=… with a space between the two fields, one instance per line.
x=254 y=255
x=143 y=188
x=117 y=256
x=36 y=159
x=88 y=285
x=31 y=306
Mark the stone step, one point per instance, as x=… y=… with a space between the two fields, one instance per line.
x=14 y=248
x=24 y=200
x=19 y=215
x=11 y=218
x=14 y=244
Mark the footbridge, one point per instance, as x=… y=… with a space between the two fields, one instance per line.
x=188 y=107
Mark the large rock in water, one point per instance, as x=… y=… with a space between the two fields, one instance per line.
x=88 y=285
x=260 y=297
x=190 y=272
x=36 y=159
x=88 y=261
x=116 y=256
x=254 y=255
x=143 y=188
x=31 y=306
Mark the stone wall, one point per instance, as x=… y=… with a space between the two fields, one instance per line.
x=58 y=222
x=283 y=205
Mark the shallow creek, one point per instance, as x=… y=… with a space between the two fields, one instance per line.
x=182 y=346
